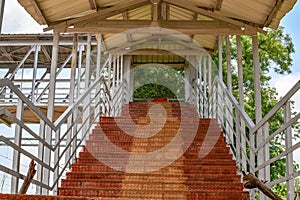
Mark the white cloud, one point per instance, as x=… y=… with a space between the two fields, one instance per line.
x=17 y=20
x=283 y=84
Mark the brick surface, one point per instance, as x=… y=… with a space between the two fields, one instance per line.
x=205 y=170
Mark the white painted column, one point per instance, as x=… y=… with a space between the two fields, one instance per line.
x=2 y=3
x=34 y=72
x=114 y=73
x=229 y=122
x=209 y=73
x=86 y=113
x=72 y=94
x=16 y=155
x=118 y=70
x=128 y=77
x=50 y=111
x=186 y=83
x=109 y=72
x=220 y=49
x=98 y=68
x=81 y=49
x=258 y=109
x=243 y=153
x=219 y=95
x=289 y=158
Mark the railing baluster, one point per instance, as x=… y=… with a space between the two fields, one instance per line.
x=289 y=158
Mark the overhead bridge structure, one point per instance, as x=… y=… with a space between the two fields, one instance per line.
x=67 y=101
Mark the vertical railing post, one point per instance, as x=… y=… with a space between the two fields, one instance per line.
x=267 y=150
x=229 y=120
x=57 y=161
x=238 y=140
x=41 y=156
x=98 y=68
x=241 y=101
x=114 y=60
x=219 y=94
x=2 y=3
x=258 y=107
x=290 y=184
x=220 y=49
x=86 y=112
x=50 y=112
x=72 y=94
x=34 y=72
x=81 y=49
x=18 y=142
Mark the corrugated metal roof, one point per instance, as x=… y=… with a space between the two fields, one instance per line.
x=192 y=17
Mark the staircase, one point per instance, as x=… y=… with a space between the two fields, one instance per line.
x=166 y=153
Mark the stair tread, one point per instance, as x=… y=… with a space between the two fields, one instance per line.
x=212 y=176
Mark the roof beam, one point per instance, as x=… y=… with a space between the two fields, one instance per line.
x=147 y=30
x=219 y=4
x=182 y=26
x=214 y=15
x=156 y=12
x=101 y=14
x=125 y=17
x=93 y=4
x=38 y=11
x=6 y=54
x=162 y=52
x=274 y=12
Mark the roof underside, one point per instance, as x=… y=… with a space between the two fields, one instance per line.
x=201 y=20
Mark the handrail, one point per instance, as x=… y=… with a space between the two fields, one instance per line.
x=70 y=109
x=55 y=167
x=245 y=116
x=7 y=83
x=225 y=108
x=283 y=101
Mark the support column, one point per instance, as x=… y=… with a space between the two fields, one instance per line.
x=81 y=49
x=86 y=113
x=2 y=3
x=290 y=184
x=50 y=111
x=71 y=96
x=220 y=49
x=228 y=111
x=209 y=73
x=219 y=94
x=35 y=66
x=128 y=77
x=242 y=138
x=258 y=109
x=16 y=155
x=98 y=69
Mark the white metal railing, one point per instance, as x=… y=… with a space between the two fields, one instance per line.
x=57 y=145
x=249 y=142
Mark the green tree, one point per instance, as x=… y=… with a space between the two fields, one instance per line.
x=152 y=82
x=275 y=49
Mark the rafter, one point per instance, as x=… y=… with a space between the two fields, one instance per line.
x=125 y=17
x=93 y=4
x=214 y=15
x=38 y=11
x=6 y=54
x=103 y=14
x=219 y=4
x=45 y=52
x=156 y=12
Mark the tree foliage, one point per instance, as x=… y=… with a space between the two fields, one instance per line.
x=152 y=82
x=275 y=49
